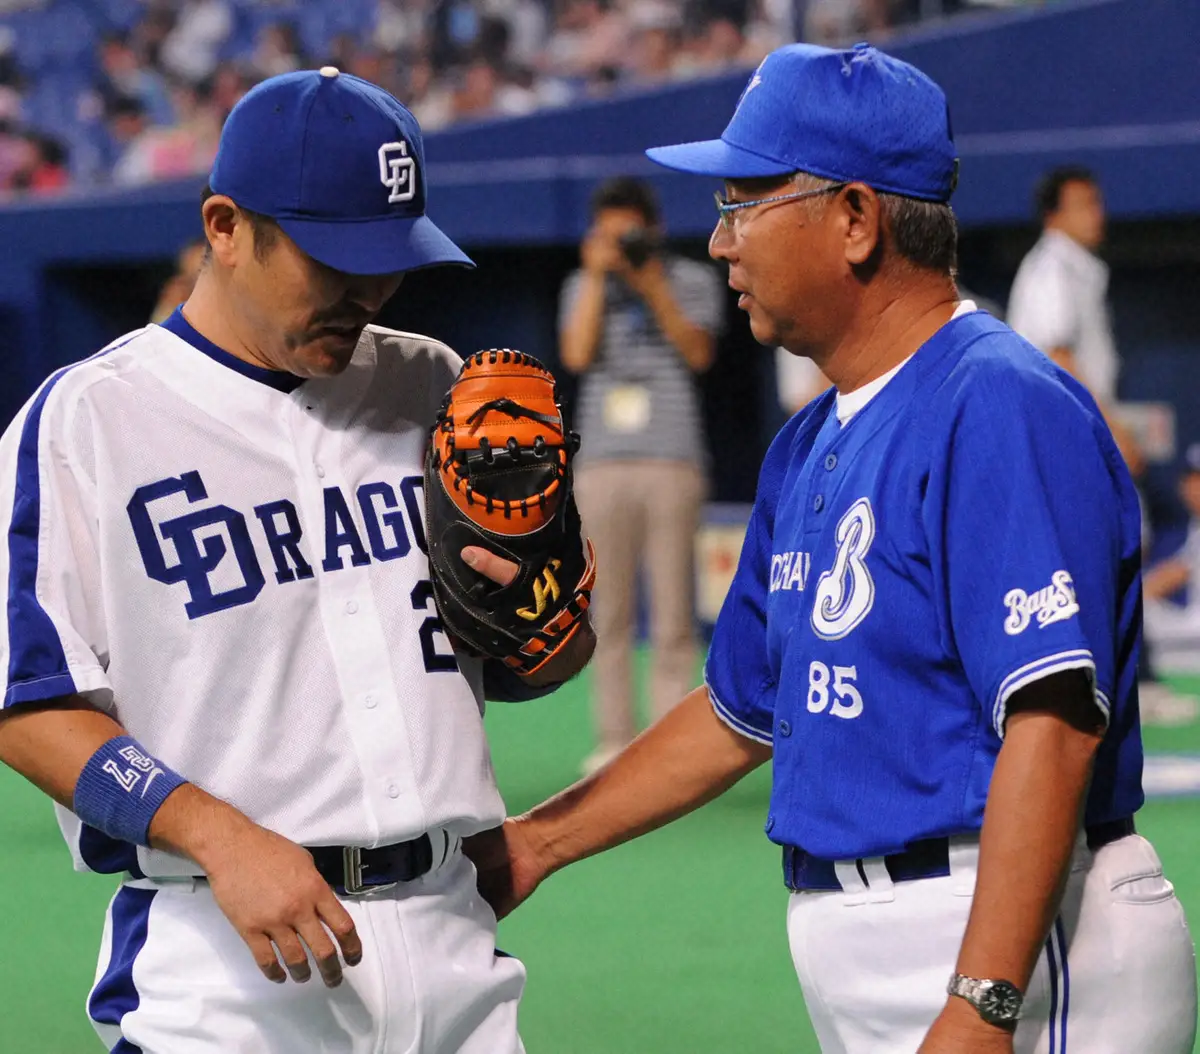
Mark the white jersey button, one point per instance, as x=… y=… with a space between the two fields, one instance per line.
x=351 y=607
x=371 y=702
x=393 y=791
x=320 y=471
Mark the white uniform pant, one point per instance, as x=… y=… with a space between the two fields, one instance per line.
x=1117 y=975
x=175 y=978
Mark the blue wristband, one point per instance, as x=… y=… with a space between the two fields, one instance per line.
x=121 y=788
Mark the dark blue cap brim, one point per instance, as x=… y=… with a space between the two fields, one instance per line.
x=715 y=157
x=386 y=245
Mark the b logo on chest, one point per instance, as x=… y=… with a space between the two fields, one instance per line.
x=846 y=592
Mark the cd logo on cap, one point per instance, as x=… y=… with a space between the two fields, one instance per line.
x=397 y=172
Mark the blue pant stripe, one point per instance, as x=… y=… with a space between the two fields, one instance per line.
x=115 y=994
x=1066 y=984
x=1052 y=961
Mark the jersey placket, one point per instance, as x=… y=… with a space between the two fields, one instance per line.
x=354 y=633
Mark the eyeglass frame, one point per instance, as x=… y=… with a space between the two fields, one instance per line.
x=725 y=209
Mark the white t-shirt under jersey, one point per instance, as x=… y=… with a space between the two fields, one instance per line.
x=852 y=402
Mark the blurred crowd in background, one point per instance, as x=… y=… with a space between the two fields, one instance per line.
x=126 y=92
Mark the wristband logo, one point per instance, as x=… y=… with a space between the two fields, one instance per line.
x=140 y=765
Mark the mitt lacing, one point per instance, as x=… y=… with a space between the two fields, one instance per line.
x=514 y=410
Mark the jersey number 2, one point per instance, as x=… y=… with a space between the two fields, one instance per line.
x=436 y=661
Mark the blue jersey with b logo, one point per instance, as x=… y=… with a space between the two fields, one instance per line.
x=969 y=531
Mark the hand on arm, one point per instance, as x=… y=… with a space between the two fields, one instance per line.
x=266 y=885
x=683 y=761
x=1033 y=817
x=694 y=343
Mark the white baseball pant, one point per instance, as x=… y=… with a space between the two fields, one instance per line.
x=175 y=978
x=1117 y=975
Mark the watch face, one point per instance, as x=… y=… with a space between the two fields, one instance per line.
x=1000 y=1003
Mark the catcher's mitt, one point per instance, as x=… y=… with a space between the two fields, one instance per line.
x=497 y=475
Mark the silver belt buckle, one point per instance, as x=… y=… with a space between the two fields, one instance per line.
x=352 y=874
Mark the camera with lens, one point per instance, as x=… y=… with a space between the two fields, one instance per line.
x=638 y=244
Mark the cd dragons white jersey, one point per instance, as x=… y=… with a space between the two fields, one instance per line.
x=232 y=563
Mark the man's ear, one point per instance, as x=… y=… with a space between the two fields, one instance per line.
x=863 y=223
x=221 y=221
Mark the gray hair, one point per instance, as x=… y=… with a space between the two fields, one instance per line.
x=924 y=233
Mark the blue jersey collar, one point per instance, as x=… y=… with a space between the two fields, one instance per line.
x=277 y=379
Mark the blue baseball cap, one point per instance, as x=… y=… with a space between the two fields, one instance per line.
x=339 y=164
x=855 y=115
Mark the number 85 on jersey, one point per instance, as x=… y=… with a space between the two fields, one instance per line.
x=833 y=691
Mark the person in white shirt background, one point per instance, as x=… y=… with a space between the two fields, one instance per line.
x=1059 y=299
x=1059 y=303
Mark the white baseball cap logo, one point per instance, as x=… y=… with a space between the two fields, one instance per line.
x=397 y=172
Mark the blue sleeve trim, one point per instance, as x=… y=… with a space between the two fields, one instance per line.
x=35 y=652
x=1076 y=659
x=743 y=728
x=52 y=687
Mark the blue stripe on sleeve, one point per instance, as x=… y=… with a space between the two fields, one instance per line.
x=735 y=722
x=115 y=994
x=37 y=664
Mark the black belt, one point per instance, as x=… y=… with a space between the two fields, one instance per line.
x=352 y=871
x=929 y=858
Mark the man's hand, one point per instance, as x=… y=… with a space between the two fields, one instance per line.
x=509 y=868
x=272 y=894
x=648 y=281
x=960 y=1030
x=488 y=564
x=266 y=886
x=600 y=252
x=570 y=659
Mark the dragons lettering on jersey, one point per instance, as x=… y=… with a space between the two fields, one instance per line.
x=790 y=571
x=213 y=551
x=1052 y=603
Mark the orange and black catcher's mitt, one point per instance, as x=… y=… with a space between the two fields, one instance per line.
x=498 y=475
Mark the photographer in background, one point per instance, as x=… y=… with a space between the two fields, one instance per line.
x=638 y=323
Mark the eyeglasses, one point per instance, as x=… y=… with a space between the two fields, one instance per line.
x=726 y=209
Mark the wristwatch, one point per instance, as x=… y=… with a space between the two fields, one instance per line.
x=998 y=1002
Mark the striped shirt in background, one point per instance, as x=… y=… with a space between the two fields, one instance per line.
x=638 y=399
